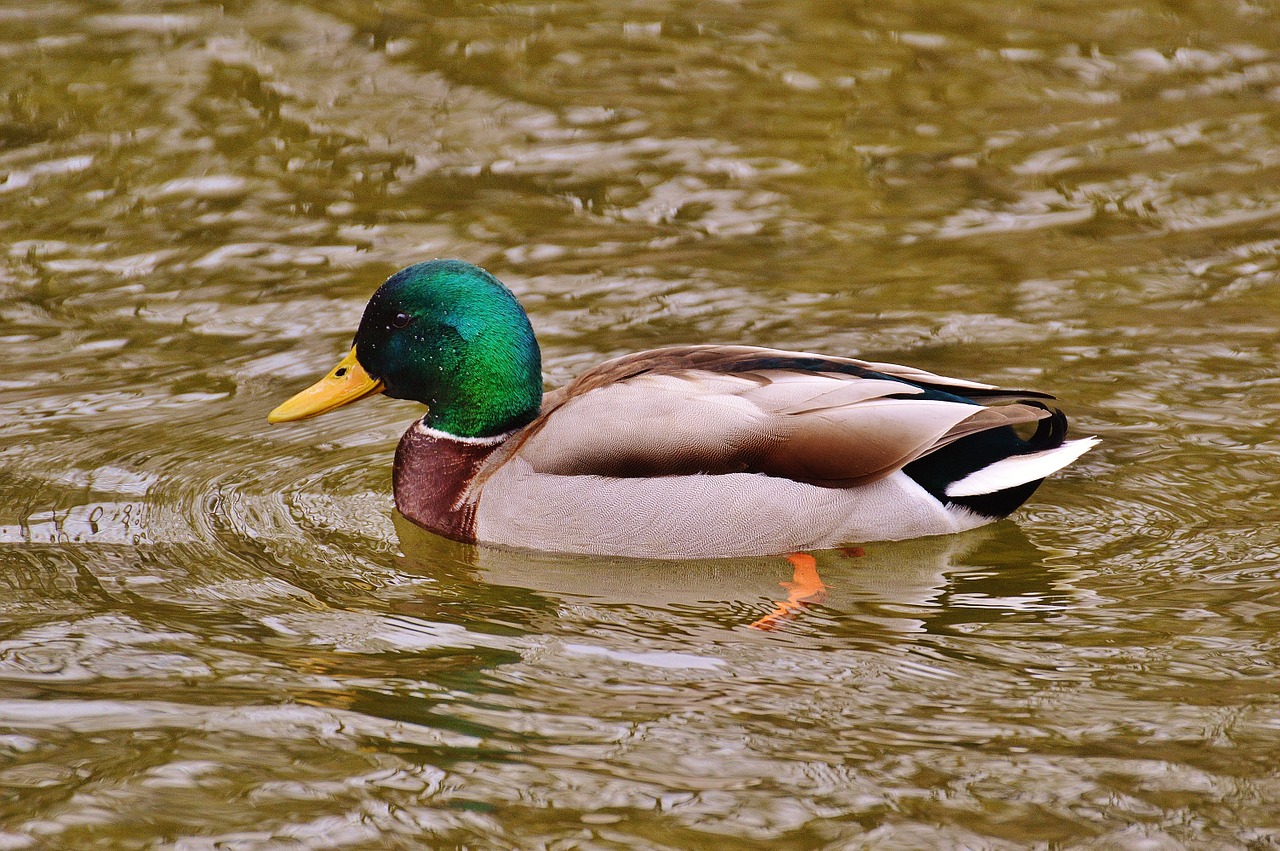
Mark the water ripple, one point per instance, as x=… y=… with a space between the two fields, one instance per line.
x=217 y=633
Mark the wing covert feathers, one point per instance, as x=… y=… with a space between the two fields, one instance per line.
x=835 y=422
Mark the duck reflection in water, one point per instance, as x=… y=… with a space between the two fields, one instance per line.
x=905 y=587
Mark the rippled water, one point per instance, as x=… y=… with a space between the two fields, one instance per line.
x=215 y=634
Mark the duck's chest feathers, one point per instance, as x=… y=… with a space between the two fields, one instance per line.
x=430 y=478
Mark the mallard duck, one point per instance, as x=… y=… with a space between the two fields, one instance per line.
x=693 y=451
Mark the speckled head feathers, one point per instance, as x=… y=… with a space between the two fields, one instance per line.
x=452 y=336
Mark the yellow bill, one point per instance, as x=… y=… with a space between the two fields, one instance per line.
x=346 y=383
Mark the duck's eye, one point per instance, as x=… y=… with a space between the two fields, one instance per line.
x=400 y=320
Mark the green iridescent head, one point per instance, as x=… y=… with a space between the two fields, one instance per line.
x=449 y=335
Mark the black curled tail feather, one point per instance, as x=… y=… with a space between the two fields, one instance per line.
x=937 y=470
x=1051 y=432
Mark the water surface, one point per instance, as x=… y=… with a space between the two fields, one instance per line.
x=216 y=634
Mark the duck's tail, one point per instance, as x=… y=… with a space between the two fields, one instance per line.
x=1020 y=469
x=994 y=472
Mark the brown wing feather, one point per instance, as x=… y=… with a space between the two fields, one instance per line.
x=728 y=409
x=741 y=359
x=861 y=443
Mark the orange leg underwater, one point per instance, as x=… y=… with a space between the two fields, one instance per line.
x=804 y=589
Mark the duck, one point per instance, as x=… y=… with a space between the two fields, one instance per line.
x=684 y=452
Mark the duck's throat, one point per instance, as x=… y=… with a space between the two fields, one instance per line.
x=480 y=420
x=430 y=477
x=483 y=399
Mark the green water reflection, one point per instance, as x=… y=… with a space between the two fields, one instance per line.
x=216 y=634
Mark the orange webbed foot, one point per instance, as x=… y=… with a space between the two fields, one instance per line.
x=804 y=589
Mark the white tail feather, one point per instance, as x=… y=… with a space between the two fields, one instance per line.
x=1020 y=469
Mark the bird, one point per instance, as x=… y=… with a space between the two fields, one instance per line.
x=683 y=452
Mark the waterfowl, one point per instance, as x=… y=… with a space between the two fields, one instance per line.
x=683 y=452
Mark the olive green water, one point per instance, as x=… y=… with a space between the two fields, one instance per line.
x=213 y=633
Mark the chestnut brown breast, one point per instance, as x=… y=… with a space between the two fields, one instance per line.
x=431 y=472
